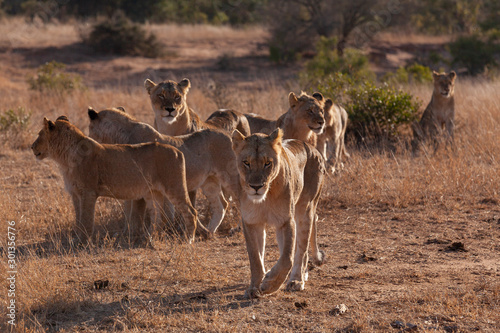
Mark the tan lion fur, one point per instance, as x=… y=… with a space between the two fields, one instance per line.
x=335 y=126
x=260 y=124
x=305 y=118
x=128 y=172
x=439 y=116
x=174 y=117
x=281 y=184
x=210 y=161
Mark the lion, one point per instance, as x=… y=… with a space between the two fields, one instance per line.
x=439 y=115
x=305 y=118
x=260 y=124
x=174 y=117
x=335 y=126
x=128 y=172
x=281 y=183
x=210 y=161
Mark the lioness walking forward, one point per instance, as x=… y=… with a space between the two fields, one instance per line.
x=281 y=184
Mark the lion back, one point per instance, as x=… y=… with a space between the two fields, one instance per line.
x=314 y=169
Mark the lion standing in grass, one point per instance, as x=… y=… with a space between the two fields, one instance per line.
x=335 y=127
x=174 y=117
x=281 y=183
x=127 y=172
x=210 y=161
x=305 y=119
x=439 y=116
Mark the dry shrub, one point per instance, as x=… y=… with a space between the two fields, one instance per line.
x=121 y=36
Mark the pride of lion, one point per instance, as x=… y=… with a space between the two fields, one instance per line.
x=272 y=169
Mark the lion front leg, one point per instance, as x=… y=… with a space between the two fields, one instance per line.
x=84 y=210
x=255 y=239
x=278 y=274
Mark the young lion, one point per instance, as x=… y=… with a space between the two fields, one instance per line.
x=335 y=126
x=305 y=118
x=128 y=172
x=439 y=114
x=280 y=186
x=210 y=161
x=174 y=117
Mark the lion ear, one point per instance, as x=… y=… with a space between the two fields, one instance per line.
x=435 y=75
x=292 y=99
x=238 y=140
x=65 y=118
x=93 y=115
x=276 y=137
x=328 y=105
x=318 y=96
x=452 y=75
x=121 y=108
x=149 y=85
x=48 y=124
x=185 y=84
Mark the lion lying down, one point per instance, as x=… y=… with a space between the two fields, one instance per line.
x=210 y=161
x=128 y=172
x=281 y=184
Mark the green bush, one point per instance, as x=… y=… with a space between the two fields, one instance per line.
x=414 y=73
x=51 y=77
x=473 y=53
x=121 y=36
x=378 y=112
x=326 y=61
x=14 y=119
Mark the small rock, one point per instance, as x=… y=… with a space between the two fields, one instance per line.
x=101 y=284
x=365 y=258
x=397 y=324
x=301 y=305
x=339 y=310
x=456 y=247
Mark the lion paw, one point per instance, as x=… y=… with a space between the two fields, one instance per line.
x=320 y=260
x=253 y=292
x=295 y=285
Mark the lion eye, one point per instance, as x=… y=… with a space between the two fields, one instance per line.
x=161 y=97
x=246 y=164
x=267 y=164
x=178 y=99
x=311 y=112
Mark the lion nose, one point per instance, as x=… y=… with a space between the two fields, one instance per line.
x=256 y=187
x=170 y=109
x=321 y=122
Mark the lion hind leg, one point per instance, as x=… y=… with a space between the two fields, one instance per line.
x=297 y=278
x=218 y=204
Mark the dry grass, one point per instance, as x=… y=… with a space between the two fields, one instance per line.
x=387 y=222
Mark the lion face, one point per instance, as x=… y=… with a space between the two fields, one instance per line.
x=444 y=83
x=308 y=111
x=168 y=99
x=258 y=159
x=41 y=145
